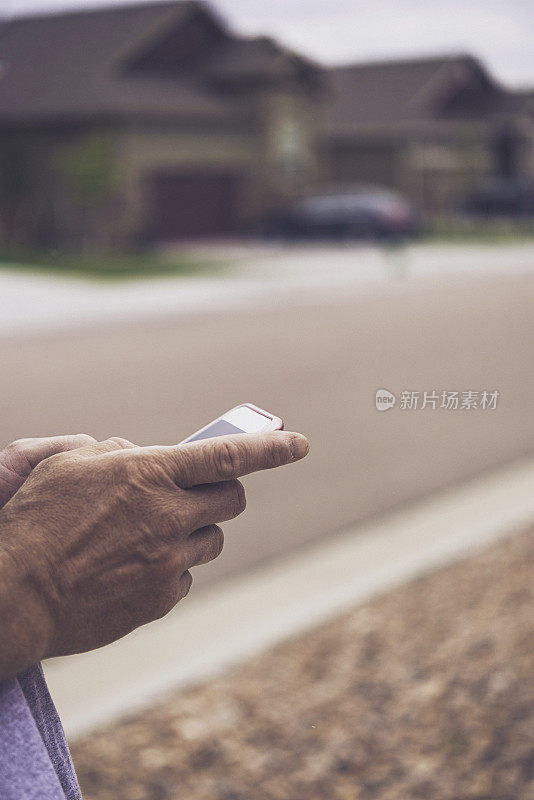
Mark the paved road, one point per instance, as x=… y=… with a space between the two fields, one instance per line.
x=317 y=363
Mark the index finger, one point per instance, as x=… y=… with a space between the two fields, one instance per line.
x=224 y=458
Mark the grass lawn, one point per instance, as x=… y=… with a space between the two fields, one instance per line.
x=128 y=266
x=489 y=232
x=108 y=266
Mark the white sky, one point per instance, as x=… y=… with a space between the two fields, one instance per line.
x=500 y=32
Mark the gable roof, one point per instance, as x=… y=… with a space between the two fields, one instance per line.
x=388 y=93
x=245 y=60
x=116 y=62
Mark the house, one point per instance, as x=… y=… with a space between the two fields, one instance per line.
x=156 y=122
x=432 y=128
x=150 y=121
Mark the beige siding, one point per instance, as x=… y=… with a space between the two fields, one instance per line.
x=291 y=163
x=434 y=172
x=364 y=162
x=437 y=174
x=144 y=152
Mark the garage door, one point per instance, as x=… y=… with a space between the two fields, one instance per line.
x=193 y=204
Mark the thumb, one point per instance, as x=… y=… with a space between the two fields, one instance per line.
x=19 y=458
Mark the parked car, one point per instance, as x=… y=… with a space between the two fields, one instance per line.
x=502 y=197
x=361 y=212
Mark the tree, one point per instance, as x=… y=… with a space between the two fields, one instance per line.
x=89 y=174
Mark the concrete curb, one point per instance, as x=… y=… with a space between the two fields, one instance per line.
x=245 y=615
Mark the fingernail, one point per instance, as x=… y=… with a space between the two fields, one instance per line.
x=299 y=447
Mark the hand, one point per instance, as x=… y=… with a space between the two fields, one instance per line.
x=100 y=540
x=19 y=458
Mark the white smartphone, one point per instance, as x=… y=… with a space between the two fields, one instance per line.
x=245 y=418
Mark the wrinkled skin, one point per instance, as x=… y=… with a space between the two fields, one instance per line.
x=97 y=538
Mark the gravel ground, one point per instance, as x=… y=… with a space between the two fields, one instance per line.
x=427 y=692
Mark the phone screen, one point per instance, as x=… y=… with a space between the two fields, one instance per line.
x=219 y=428
x=241 y=419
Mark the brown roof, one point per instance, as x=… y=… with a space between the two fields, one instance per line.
x=140 y=61
x=411 y=92
x=71 y=65
x=249 y=59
